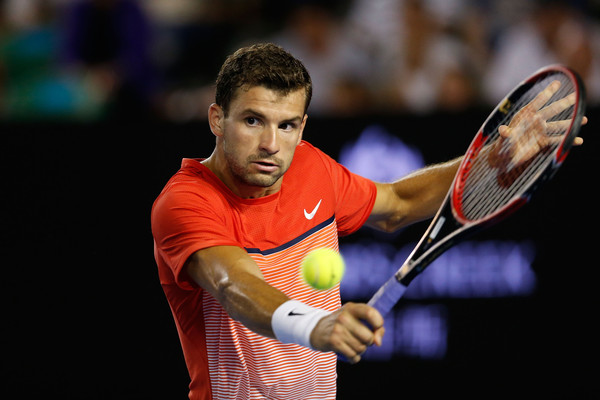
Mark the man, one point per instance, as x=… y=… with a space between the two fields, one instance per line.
x=231 y=231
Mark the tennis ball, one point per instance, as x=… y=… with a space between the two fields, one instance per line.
x=323 y=268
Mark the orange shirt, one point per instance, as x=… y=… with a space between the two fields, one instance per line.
x=319 y=200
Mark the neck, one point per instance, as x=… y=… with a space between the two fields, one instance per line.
x=238 y=187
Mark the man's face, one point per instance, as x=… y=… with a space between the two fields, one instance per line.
x=258 y=139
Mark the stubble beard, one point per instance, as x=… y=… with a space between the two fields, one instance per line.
x=241 y=172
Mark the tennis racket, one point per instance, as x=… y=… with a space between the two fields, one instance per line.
x=520 y=145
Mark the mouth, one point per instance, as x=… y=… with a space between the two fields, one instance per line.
x=265 y=165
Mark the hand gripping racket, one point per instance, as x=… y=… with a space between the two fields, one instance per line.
x=521 y=144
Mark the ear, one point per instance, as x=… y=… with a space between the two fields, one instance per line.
x=215 y=119
x=302 y=125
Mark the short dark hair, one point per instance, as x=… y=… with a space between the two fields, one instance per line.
x=263 y=64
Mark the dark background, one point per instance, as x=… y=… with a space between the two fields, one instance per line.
x=84 y=316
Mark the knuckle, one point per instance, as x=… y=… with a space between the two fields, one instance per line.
x=336 y=342
x=361 y=349
x=337 y=330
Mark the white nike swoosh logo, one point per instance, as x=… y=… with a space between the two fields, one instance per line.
x=310 y=215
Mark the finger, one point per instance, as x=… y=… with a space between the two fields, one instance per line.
x=557 y=106
x=560 y=127
x=350 y=353
x=554 y=140
x=360 y=321
x=347 y=343
x=378 y=336
x=360 y=334
x=545 y=95
x=504 y=131
x=368 y=314
x=556 y=127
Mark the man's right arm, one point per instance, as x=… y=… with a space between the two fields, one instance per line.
x=232 y=277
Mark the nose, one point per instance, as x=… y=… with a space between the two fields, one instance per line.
x=269 y=140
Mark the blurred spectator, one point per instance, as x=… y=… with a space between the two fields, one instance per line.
x=340 y=69
x=194 y=38
x=127 y=58
x=192 y=35
x=430 y=69
x=32 y=87
x=553 y=32
x=108 y=42
x=424 y=65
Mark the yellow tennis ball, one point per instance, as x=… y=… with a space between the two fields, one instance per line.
x=323 y=268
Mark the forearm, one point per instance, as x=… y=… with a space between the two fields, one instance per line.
x=233 y=278
x=414 y=197
x=425 y=189
x=252 y=302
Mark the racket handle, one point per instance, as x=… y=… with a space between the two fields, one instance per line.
x=384 y=300
x=387 y=296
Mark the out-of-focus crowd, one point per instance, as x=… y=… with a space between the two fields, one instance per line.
x=134 y=60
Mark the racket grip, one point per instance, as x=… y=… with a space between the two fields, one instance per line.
x=384 y=300
x=387 y=296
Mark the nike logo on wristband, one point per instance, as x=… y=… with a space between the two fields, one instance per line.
x=293 y=313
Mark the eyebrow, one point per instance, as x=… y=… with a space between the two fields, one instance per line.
x=296 y=119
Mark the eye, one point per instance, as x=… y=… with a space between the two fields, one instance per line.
x=252 y=121
x=287 y=126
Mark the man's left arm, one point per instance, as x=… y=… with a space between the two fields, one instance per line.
x=412 y=198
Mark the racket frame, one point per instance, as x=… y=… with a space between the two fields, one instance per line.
x=450 y=223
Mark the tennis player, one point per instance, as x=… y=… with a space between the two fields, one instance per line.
x=231 y=231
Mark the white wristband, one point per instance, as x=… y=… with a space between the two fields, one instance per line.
x=294 y=321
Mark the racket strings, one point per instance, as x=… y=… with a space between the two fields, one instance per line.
x=489 y=186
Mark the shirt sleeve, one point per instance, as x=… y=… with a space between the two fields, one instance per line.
x=355 y=196
x=183 y=222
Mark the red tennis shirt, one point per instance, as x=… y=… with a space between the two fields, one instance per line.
x=319 y=200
